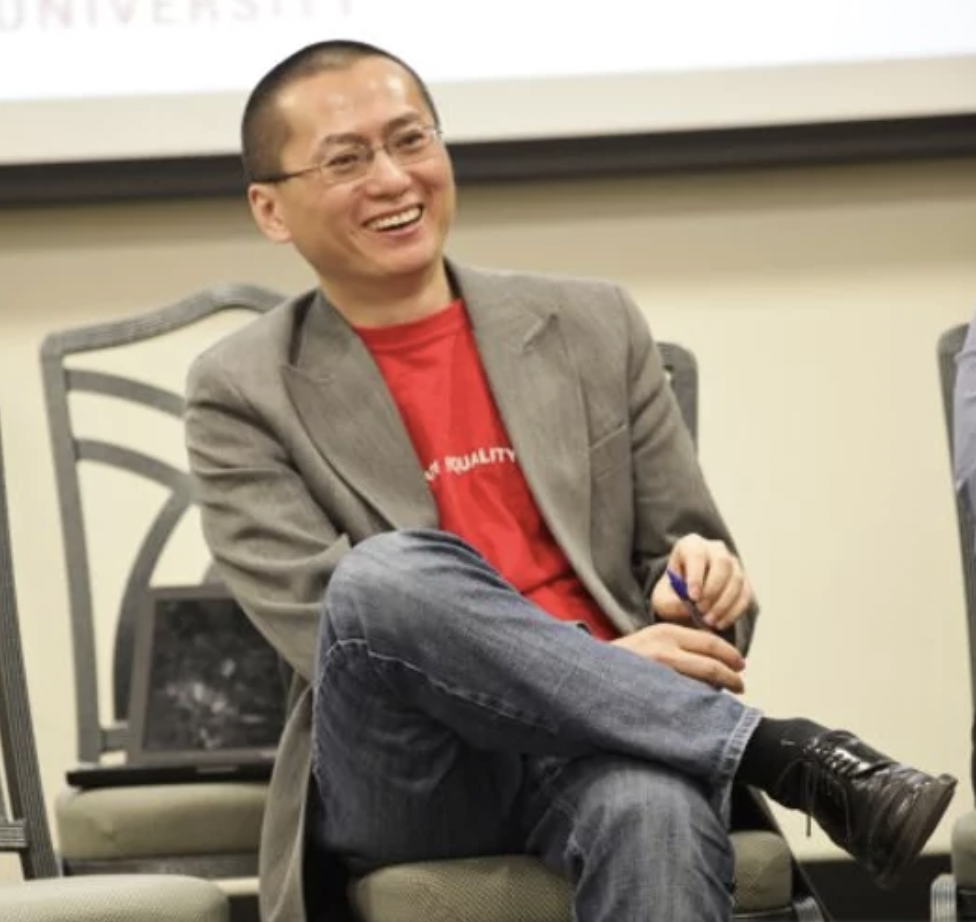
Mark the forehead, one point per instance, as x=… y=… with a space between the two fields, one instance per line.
x=359 y=99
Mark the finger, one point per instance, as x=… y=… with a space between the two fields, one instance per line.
x=720 y=607
x=721 y=569
x=702 y=643
x=738 y=607
x=690 y=558
x=710 y=671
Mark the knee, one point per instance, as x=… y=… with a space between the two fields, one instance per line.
x=376 y=586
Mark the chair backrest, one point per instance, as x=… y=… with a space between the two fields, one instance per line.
x=64 y=381
x=682 y=369
x=949 y=346
x=23 y=822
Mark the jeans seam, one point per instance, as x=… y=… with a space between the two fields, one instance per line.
x=567 y=811
x=382 y=661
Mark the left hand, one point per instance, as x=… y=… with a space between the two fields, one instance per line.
x=716 y=582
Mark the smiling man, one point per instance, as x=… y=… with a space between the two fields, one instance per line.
x=462 y=505
x=379 y=255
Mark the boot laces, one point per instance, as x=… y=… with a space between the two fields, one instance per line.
x=826 y=771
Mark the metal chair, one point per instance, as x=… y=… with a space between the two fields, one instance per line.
x=953 y=895
x=770 y=885
x=45 y=896
x=208 y=830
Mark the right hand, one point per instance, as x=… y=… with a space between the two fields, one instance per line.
x=696 y=654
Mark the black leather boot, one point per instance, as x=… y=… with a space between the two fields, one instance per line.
x=880 y=811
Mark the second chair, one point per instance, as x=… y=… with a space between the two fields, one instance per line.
x=45 y=896
x=205 y=829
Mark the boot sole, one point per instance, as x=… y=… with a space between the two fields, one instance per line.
x=915 y=832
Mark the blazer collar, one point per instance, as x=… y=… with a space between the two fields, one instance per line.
x=334 y=385
x=537 y=388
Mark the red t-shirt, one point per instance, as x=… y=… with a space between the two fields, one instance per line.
x=435 y=376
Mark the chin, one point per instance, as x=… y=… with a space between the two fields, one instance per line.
x=419 y=262
x=417 y=270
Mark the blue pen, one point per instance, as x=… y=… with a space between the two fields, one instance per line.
x=681 y=590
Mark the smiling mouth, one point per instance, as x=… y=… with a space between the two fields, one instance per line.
x=397 y=221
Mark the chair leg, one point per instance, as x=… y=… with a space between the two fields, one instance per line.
x=807 y=910
x=944 y=905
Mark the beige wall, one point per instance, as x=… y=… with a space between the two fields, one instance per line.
x=813 y=299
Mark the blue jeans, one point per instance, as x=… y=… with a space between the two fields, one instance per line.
x=453 y=718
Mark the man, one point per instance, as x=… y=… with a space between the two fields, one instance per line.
x=449 y=498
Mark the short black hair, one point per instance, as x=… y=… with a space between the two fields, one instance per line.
x=264 y=132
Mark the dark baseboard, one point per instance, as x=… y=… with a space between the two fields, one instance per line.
x=849 y=895
x=244 y=908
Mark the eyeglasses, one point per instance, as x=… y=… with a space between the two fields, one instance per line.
x=351 y=161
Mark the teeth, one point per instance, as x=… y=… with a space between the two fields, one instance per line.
x=395 y=220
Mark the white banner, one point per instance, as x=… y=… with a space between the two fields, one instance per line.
x=52 y=49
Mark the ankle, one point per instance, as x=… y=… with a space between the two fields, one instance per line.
x=774 y=746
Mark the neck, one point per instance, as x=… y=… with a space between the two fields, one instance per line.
x=391 y=301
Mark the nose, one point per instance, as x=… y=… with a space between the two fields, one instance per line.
x=386 y=176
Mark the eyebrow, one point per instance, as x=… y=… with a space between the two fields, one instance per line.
x=399 y=122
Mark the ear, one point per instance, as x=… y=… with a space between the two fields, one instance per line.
x=267 y=211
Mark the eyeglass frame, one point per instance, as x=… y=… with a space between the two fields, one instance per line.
x=433 y=131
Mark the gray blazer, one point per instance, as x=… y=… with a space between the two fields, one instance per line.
x=299 y=453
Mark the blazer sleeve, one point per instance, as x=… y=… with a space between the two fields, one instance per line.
x=671 y=497
x=272 y=544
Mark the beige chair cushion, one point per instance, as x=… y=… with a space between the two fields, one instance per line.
x=964 y=850
x=517 y=888
x=114 y=898
x=508 y=888
x=763 y=871
x=145 y=821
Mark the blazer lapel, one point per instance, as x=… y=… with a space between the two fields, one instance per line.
x=335 y=386
x=538 y=393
